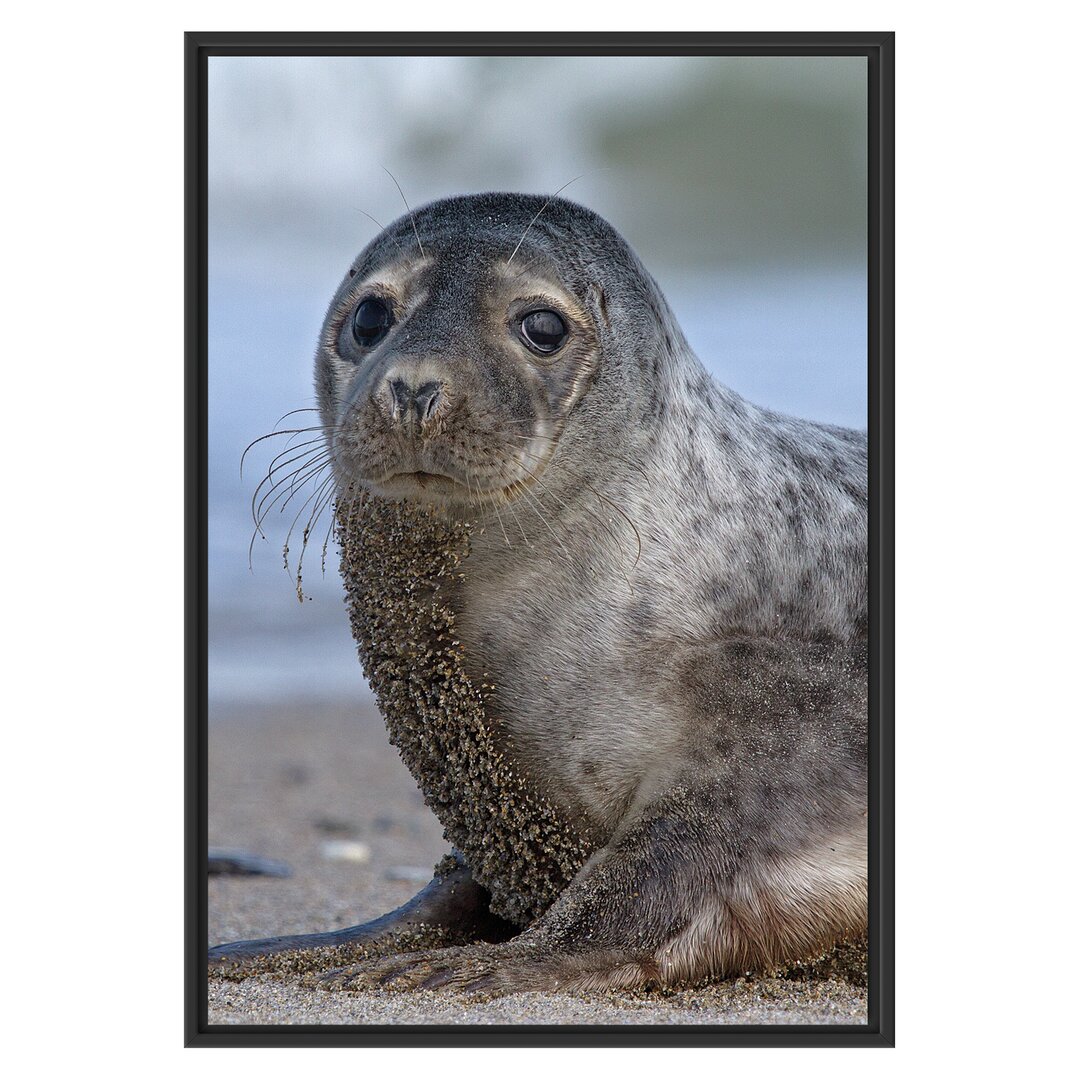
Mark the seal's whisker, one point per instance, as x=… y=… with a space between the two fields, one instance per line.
x=469 y=487
x=498 y=516
x=275 y=467
x=408 y=208
x=251 y=549
x=262 y=514
x=308 y=461
x=618 y=544
x=508 y=502
x=382 y=228
x=527 y=438
x=306 y=454
x=517 y=435
x=272 y=435
x=551 y=198
x=320 y=505
x=618 y=510
x=347 y=501
x=293 y=412
x=326 y=538
x=539 y=480
x=304 y=450
x=371 y=217
x=259 y=514
x=357 y=497
x=329 y=529
x=323 y=459
x=256 y=510
x=311 y=475
x=525 y=267
x=295 y=488
x=553 y=438
x=532 y=502
x=326 y=437
x=316 y=494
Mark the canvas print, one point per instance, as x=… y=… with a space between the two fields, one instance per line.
x=537 y=540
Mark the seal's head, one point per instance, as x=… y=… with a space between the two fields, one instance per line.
x=466 y=339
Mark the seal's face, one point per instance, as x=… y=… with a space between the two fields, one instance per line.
x=447 y=377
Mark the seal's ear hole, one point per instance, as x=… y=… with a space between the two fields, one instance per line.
x=599 y=303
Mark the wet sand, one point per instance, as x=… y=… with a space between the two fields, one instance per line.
x=313 y=783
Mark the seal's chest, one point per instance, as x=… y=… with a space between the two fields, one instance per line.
x=401 y=567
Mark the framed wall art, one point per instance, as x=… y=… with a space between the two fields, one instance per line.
x=539 y=405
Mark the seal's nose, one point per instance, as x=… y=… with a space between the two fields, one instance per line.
x=409 y=403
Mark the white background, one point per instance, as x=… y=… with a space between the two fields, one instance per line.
x=985 y=490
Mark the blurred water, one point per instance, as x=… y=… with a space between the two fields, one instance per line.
x=794 y=343
x=697 y=160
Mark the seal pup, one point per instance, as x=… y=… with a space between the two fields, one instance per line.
x=600 y=597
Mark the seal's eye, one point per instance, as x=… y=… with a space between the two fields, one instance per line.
x=543 y=330
x=371 y=320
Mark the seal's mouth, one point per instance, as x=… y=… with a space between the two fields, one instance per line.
x=421 y=486
x=422 y=478
x=459 y=466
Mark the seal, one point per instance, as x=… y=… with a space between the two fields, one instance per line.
x=615 y=617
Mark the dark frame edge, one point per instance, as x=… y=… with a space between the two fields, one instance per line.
x=880 y=1032
x=881 y=411
x=269 y=43
x=195 y=539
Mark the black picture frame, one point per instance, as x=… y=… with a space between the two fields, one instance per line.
x=878 y=48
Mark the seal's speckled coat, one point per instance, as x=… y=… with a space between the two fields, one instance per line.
x=666 y=591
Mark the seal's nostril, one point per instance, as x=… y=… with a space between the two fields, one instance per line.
x=426 y=399
x=405 y=401
x=400 y=397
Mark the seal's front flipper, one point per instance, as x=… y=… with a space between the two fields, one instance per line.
x=450 y=910
x=511 y=967
x=683 y=894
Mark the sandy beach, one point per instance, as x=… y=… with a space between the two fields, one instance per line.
x=319 y=788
